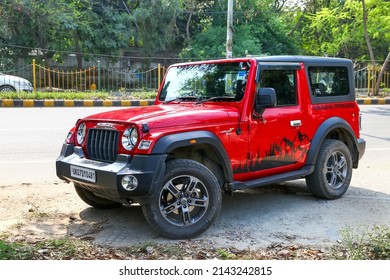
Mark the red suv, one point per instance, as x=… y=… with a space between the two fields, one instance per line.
x=219 y=126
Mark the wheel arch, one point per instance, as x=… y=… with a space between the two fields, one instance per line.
x=334 y=128
x=202 y=146
x=7 y=86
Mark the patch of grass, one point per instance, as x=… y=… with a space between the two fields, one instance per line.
x=224 y=254
x=364 y=244
x=56 y=249
x=15 y=251
x=139 y=94
x=7 y=251
x=95 y=95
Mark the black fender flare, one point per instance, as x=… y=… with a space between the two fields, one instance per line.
x=168 y=143
x=321 y=133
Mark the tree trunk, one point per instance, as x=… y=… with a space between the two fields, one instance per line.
x=79 y=56
x=379 y=80
x=297 y=24
x=367 y=37
x=188 y=26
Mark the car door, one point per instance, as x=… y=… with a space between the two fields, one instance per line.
x=277 y=139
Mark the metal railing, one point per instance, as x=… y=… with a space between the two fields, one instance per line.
x=118 y=80
x=89 y=79
x=96 y=78
x=367 y=77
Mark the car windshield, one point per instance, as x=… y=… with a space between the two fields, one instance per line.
x=207 y=82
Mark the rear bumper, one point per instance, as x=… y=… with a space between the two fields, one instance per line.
x=148 y=169
x=361 y=147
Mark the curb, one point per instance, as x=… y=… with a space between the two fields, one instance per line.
x=73 y=103
x=373 y=101
x=125 y=103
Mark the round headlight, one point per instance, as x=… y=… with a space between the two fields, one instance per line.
x=81 y=133
x=129 y=138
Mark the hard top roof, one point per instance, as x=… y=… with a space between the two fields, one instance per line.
x=300 y=58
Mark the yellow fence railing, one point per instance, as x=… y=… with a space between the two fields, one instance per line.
x=373 y=76
x=95 y=78
x=54 y=79
x=367 y=77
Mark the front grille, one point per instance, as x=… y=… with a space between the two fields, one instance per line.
x=102 y=144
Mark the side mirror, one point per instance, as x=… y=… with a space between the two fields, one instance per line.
x=265 y=98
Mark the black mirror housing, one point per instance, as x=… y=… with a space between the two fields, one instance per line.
x=265 y=98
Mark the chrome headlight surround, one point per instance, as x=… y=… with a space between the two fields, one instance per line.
x=81 y=131
x=130 y=138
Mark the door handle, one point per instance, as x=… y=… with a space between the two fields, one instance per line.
x=295 y=123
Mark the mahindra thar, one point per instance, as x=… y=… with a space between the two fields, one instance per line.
x=219 y=126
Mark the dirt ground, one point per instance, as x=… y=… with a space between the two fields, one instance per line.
x=259 y=218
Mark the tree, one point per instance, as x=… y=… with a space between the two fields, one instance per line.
x=154 y=23
x=258 y=27
x=57 y=28
x=342 y=28
x=382 y=71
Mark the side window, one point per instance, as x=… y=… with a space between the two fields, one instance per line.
x=283 y=81
x=329 y=81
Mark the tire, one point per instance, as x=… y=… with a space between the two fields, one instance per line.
x=95 y=201
x=187 y=202
x=332 y=172
x=7 y=88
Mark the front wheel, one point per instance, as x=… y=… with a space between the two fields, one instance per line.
x=332 y=172
x=188 y=201
x=7 y=88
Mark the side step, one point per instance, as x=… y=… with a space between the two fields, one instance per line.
x=297 y=174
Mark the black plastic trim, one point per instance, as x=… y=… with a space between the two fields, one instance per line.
x=321 y=133
x=168 y=143
x=297 y=174
x=148 y=169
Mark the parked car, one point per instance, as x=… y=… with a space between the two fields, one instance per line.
x=14 y=83
x=220 y=126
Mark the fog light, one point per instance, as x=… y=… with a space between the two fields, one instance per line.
x=129 y=182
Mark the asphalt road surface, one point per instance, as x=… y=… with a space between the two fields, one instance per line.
x=31 y=139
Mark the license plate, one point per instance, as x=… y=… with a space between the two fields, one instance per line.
x=83 y=173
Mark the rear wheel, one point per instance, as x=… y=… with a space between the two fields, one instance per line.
x=333 y=170
x=188 y=201
x=95 y=201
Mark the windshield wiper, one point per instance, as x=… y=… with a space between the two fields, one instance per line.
x=182 y=98
x=222 y=97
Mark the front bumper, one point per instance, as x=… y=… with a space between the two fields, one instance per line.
x=148 y=169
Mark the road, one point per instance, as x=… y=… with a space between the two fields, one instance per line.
x=31 y=139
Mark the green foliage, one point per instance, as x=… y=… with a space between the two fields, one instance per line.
x=62 y=249
x=258 y=29
x=154 y=23
x=96 y=95
x=337 y=29
x=364 y=244
x=53 y=29
x=7 y=251
x=41 y=95
x=14 y=251
x=224 y=254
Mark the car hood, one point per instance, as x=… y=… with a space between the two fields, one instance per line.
x=172 y=115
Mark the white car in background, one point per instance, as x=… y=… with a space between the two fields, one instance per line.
x=14 y=83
